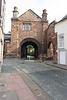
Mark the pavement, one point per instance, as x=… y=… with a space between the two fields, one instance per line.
x=54 y=64
x=18 y=86
x=12 y=87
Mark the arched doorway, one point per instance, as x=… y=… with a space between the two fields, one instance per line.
x=50 y=51
x=30 y=47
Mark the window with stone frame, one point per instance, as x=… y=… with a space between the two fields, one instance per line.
x=26 y=27
x=61 y=40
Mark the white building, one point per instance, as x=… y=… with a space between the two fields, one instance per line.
x=61 y=29
x=2 y=9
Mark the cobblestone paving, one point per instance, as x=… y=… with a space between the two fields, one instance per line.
x=52 y=80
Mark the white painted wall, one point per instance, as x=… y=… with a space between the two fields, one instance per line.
x=1 y=46
x=1 y=34
x=61 y=27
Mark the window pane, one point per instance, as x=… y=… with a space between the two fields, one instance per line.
x=23 y=26
x=61 y=41
x=29 y=27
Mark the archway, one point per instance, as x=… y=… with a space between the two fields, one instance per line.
x=30 y=47
x=50 y=51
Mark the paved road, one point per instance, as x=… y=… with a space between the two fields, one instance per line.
x=52 y=80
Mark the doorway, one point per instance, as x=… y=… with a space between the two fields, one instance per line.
x=29 y=50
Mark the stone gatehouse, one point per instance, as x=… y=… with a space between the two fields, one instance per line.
x=31 y=29
x=27 y=29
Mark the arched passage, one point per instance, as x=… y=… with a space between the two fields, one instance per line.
x=26 y=43
x=50 y=51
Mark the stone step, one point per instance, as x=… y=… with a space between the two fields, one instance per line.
x=11 y=56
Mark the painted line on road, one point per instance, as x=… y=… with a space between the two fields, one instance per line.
x=16 y=68
x=21 y=69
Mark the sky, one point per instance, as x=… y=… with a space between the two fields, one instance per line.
x=56 y=9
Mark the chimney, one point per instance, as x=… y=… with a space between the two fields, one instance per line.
x=44 y=15
x=15 y=12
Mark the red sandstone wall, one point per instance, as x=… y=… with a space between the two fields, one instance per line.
x=18 y=34
x=52 y=37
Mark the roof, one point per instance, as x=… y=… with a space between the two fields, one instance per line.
x=53 y=22
x=65 y=17
x=31 y=11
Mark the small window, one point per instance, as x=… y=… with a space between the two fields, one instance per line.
x=23 y=26
x=61 y=40
x=0 y=21
x=7 y=41
x=27 y=27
